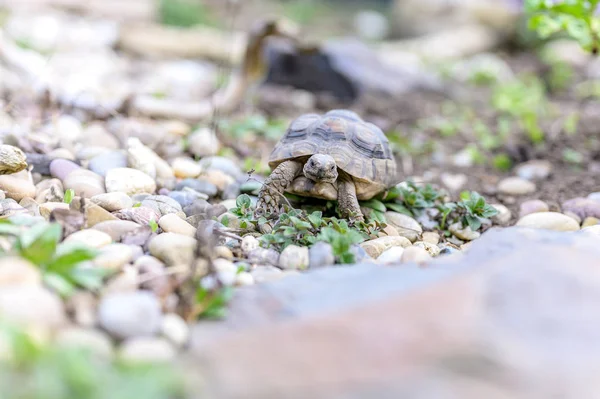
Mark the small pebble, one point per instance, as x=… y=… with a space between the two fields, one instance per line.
x=431 y=237
x=249 y=244
x=117 y=229
x=172 y=248
x=391 y=255
x=320 y=255
x=201 y=186
x=454 y=182
x=16 y=271
x=464 y=233
x=377 y=246
x=105 y=162
x=114 y=256
x=130 y=181
x=244 y=279
x=171 y=223
x=46 y=208
x=219 y=178
x=503 y=216
x=582 y=207
x=113 y=201
x=16 y=188
x=533 y=206
x=573 y=216
x=126 y=315
x=12 y=159
x=294 y=257
x=549 y=221
x=84 y=183
x=432 y=249
x=262 y=256
x=89 y=339
x=61 y=168
x=415 y=255
x=203 y=142
x=590 y=221
x=515 y=186
x=175 y=329
x=405 y=225
x=263 y=274
x=32 y=306
x=534 y=170
x=186 y=168
x=223 y=252
x=360 y=255
x=163 y=205
x=90 y=237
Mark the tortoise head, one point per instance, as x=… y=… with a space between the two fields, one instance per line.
x=321 y=168
x=253 y=64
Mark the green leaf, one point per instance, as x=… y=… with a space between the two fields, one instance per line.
x=137 y=205
x=9 y=229
x=59 y=284
x=300 y=224
x=243 y=201
x=374 y=204
x=316 y=219
x=68 y=255
x=214 y=304
x=89 y=278
x=399 y=208
x=153 y=225
x=39 y=242
x=69 y=194
x=473 y=222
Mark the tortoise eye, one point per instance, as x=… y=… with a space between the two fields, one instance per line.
x=332 y=167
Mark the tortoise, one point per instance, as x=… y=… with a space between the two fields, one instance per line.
x=335 y=156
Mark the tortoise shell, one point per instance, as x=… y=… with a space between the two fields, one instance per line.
x=360 y=149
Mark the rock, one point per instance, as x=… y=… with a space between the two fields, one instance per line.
x=145 y=349
x=573 y=216
x=371 y=25
x=389 y=231
x=130 y=181
x=320 y=255
x=12 y=159
x=223 y=252
x=88 y=339
x=112 y=201
x=533 y=170
x=590 y=221
x=141 y=215
x=130 y=314
x=172 y=248
x=431 y=237
x=391 y=255
x=127 y=280
x=204 y=142
x=432 y=249
x=114 y=256
x=415 y=254
x=186 y=168
x=548 y=221
x=171 y=223
x=377 y=246
x=183 y=198
x=46 y=208
x=32 y=306
x=90 y=237
x=94 y=214
x=105 y=162
x=406 y=226
x=61 y=168
x=582 y=207
x=16 y=271
x=565 y=297
x=249 y=244
x=201 y=186
x=464 y=233
x=515 y=186
x=16 y=188
x=262 y=274
x=117 y=229
x=532 y=206
x=163 y=205
x=503 y=216
x=50 y=190
x=84 y=183
x=155 y=278
x=231 y=191
x=294 y=257
x=454 y=182
x=594 y=196
x=175 y=329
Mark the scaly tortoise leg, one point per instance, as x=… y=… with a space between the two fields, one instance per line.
x=273 y=188
x=347 y=201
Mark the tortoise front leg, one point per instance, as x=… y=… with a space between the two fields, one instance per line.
x=274 y=187
x=347 y=201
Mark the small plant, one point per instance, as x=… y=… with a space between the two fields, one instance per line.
x=411 y=199
x=502 y=162
x=341 y=238
x=575 y=18
x=212 y=304
x=153 y=225
x=184 y=13
x=60 y=263
x=272 y=129
x=474 y=208
x=525 y=101
x=69 y=194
